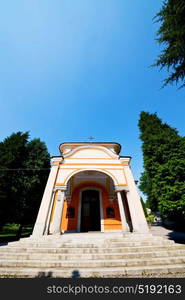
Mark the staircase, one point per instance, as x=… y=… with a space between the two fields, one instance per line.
x=92 y=255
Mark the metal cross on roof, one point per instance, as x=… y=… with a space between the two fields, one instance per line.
x=91 y=138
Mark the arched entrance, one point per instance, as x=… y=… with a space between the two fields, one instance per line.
x=90 y=211
x=90 y=204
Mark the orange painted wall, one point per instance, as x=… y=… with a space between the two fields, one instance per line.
x=71 y=224
x=115 y=223
x=109 y=224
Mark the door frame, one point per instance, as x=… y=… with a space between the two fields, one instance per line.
x=80 y=206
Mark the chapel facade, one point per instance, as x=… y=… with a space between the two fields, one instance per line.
x=90 y=188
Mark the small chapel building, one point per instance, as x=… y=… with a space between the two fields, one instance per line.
x=90 y=188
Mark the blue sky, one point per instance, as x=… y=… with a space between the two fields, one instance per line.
x=74 y=68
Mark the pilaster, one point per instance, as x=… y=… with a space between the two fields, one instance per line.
x=55 y=226
x=122 y=212
x=136 y=211
x=43 y=214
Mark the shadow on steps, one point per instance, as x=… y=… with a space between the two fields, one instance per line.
x=75 y=274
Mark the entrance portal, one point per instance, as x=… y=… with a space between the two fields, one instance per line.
x=90 y=211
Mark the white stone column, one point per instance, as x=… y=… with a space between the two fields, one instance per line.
x=49 y=213
x=122 y=212
x=132 y=211
x=55 y=226
x=43 y=214
x=135 y=207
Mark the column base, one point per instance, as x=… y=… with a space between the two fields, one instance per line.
x=38 y=230
x=55 y=232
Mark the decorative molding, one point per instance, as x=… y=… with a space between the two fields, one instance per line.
x=99 y=158
x=76 y=171
x=91 y=164
x=125 y=160
x=108 y=151
x=55 y=161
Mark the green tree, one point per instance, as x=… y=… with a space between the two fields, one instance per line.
x=37 y=165
x=171 y=35
x=163 y=179
x=144 y=206
x=24 y=167
x=12 y=156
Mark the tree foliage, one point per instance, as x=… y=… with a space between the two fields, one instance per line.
x=163 y=179
x=24 y=168
x=144 y=207
x=171 y=35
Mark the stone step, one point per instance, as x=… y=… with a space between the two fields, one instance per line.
x=86 y=241
x=80 y=250
x=93 y=264
x=95 y=245
x=89 y=239
x=98 y=272
x=90 y=256
x=90 y=236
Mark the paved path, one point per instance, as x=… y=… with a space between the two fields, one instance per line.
x=178 y=237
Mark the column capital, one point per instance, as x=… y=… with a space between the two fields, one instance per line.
x=119 y=188
x=61 y=188
x=55 y=161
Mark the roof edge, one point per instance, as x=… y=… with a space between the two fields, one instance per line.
x=93 y=143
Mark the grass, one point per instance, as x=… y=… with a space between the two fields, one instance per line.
x=9 y=232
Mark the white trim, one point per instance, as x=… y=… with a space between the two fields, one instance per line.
x=101 y=207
